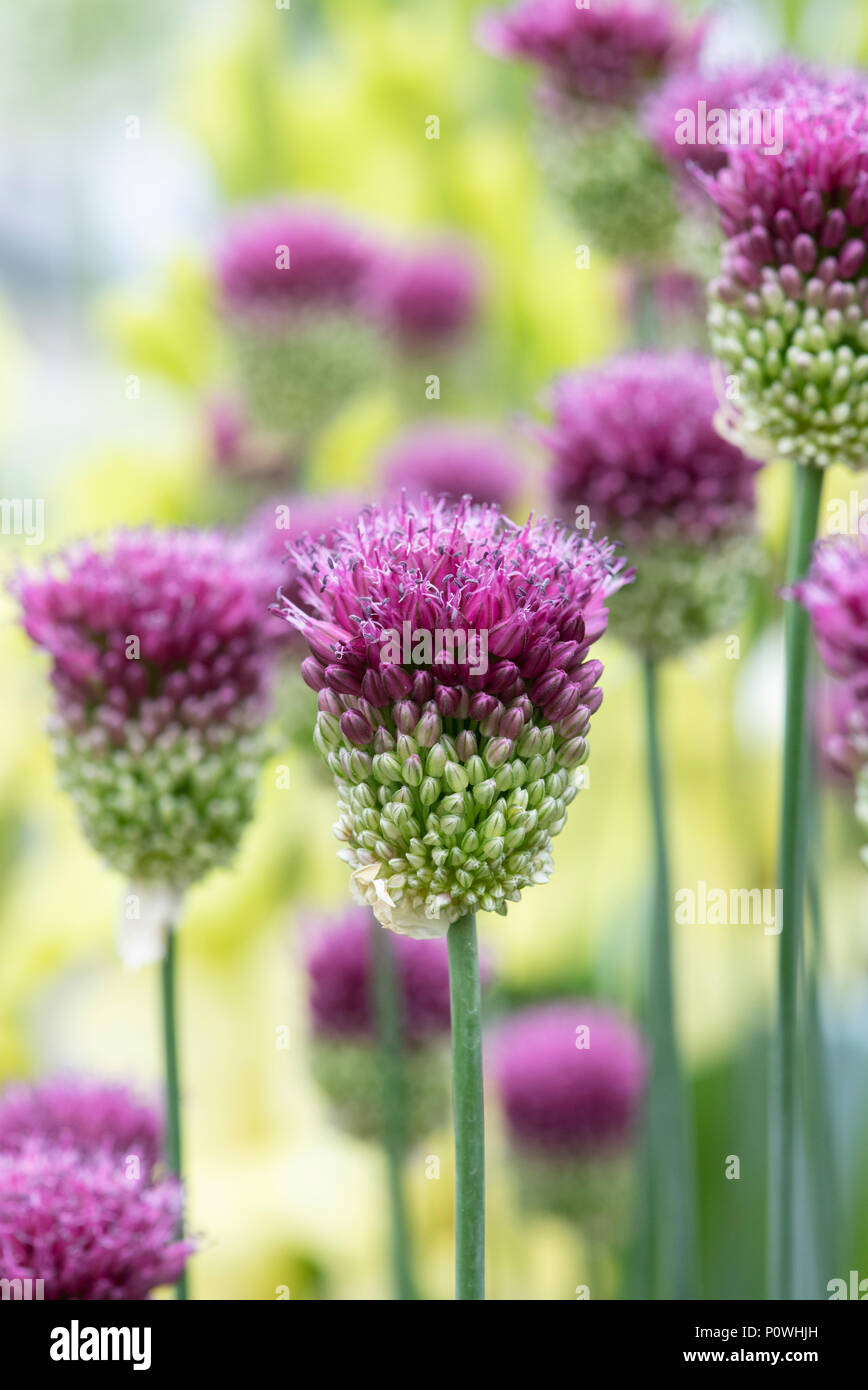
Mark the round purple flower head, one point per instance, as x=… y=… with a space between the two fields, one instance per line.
x=597 y=61
x=294 y=285
x=450 y=651
x=788 y=310
x=345 y=1051
x=607 y=51
x=160 y=673
x=88 y=1230
x=453 y=461
x=840 y=723
x=339 y=967
x=90 y=1117
x=272 y=530
x=277 y=263
x=571 y=1078
x=683 y=117
x=835 y=595
x=634 y=451
x=426 y=299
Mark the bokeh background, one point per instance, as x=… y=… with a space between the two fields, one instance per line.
x=111 y=353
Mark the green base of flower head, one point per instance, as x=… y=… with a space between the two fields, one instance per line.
x=685 y=593
x=350 y=1074
x=595 y=1193
x=436 y=826
x=799 y=374
x=615 y=184
x=293 y=381
x=169 y=811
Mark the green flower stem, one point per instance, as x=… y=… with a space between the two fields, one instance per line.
x=465 y=996
x=820 y=1120
x=783 y=1090
x=646 y=328
x=669 y=1145
x=394 y=1108
x=173 y=1097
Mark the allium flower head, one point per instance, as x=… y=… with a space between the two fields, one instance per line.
x=345 y=1052
x=160 y=667
x=453 y=461
x=788 y=310
x=89 y=1117
x=339 y=967
x=840 y=724
x=607 y=51
x=426 y=299
x=294 y=285
x=87 y=1229
x=835 y=595
x=634 y=450
x=450 y=653
x=596 y=64
x=571 y=1078
x=683 y=110
x=277 y=262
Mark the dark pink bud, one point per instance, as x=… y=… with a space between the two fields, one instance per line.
x=547 y=687
x=811 y=210
x=343 y=680
x=397 y=682
x=312 y=673
x=373 y=689
x=850 y=258
x=355 y=727
x=804 y=253
x=835 y=229
x=791 y=281
x=507 y=638
x=406 y=716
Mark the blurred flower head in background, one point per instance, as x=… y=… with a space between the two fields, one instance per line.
x=345 y=1049
x=426 y=299
x=294 y=285
x=451 y=617
x=571 y=1080
x=634 y=451
x=88 y=1116
x=453 y=460
x=607 y=51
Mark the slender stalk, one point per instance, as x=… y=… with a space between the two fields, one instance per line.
x=791 y=870
x=173 y=1096
x=388 y=1009
x=466 y=1002
x=819 y=1081
x=669 y=1143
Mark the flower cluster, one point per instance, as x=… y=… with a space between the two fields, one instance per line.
x=634 y=450
x=79 y=1208
x=453 y=461
x=293 y=285
x=87 y=1116
x=571 y=1078
x=160 y=675
x=346 y=1062
x=607 y=52
x=788 y=309
x=835 y=595
x=425 y=299
x=449 y=650
x=597 y=63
